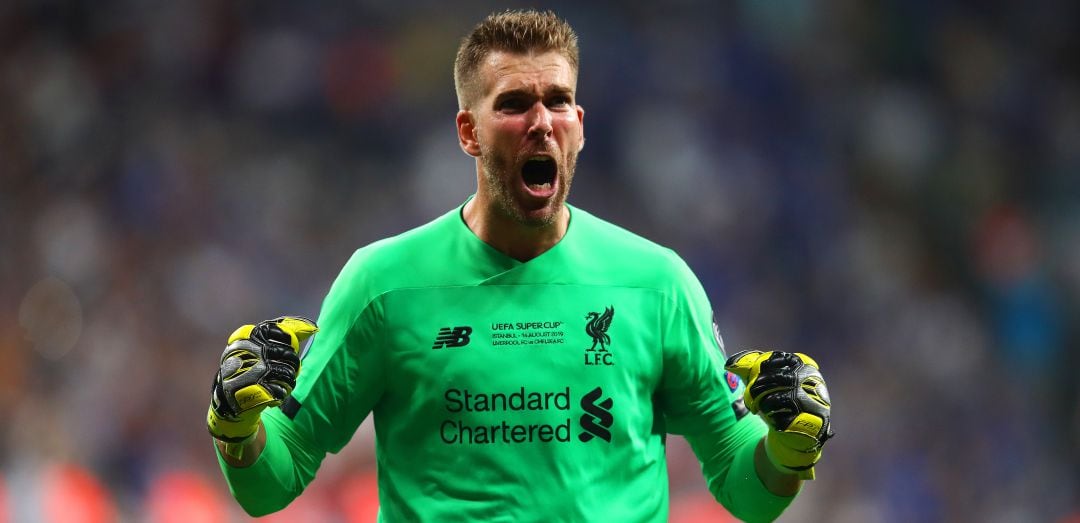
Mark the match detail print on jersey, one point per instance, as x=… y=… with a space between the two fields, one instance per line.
x=525 y=333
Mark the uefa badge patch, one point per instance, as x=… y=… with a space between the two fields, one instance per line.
x=733 y=381
x=735 y=385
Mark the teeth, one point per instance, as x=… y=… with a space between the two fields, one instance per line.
x=540 y=186
x=539 y=158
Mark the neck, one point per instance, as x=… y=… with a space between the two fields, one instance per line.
x=510 y=237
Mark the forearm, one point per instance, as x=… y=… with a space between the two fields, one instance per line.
x=742 y=486
x=736 y=475
x=272 y=470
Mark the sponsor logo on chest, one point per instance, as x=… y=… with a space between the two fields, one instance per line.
x=519 y=416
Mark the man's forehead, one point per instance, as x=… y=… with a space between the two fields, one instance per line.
x=502 y=70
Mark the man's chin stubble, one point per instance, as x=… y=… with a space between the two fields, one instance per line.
x=506 y=206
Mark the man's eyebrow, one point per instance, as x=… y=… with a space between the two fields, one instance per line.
x=528 y=93
x=513 y=93
x=560 y=90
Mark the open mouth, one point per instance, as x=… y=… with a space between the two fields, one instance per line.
x=539 y=173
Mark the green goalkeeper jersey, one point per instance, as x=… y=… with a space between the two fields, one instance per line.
x=515 y=391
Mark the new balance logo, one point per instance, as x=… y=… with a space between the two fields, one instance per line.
x=597 y=419
x=452 y=337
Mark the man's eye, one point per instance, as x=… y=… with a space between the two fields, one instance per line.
x=559 y=101
x=511 y=104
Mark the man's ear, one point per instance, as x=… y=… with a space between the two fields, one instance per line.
x=581 y=123
x=466 y=132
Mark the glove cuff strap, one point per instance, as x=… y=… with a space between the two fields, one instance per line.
x=244 y=440
x=802 y=471
x=228 y=431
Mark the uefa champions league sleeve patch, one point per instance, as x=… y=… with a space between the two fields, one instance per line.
x=735 y=385
x=732 y=380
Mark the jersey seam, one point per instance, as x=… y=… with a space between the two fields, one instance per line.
x=349 y=398
x=376 y=297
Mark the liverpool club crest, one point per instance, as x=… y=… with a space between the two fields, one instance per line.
x=598 y=326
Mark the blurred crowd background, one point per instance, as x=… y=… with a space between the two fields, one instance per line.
x=892 y=187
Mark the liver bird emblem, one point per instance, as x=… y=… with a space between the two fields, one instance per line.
x=598 y=326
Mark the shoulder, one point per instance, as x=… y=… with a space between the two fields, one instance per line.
x=398 y=261
x=626 y=253
x=408 y=247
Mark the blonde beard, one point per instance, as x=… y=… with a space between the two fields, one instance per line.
x=494 y=178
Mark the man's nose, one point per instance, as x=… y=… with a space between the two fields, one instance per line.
x=539 y=121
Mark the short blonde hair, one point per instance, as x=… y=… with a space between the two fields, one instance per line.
x=517 y=32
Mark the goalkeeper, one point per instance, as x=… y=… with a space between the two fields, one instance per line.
x=522 y=358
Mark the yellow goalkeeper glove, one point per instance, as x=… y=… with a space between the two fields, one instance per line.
x=786 y=389
x=257 y=370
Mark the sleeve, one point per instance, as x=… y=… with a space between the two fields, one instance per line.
x=702 y=402
x=340 y=382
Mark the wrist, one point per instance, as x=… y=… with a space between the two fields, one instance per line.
x=243 y=454
x=776 y=480
x=235 y=449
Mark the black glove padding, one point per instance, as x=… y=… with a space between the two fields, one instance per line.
x=258 y=369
